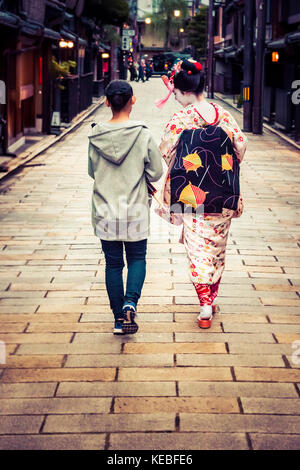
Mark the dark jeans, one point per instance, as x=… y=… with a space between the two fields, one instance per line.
x=136 y=263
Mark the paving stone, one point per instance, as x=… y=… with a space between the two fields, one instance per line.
x=27 y=317
x=97 y=389
x=13 y=309
x=263 y=374
x=23 y=286
x=58 y=375
x=53 y=442
x=35 y=338
x=240 y=423
x=175 y=373
x=275 y=441
x=176 y=404
x=224 y=300
x=13 y=361
x=137 y=360
x=184 y=348
x=109 y=423
x=71 y=348
x=220 y=317
x=260 y=348
x=225 y=337
x=20 y=424
x=287 y=319
x=99 y=338
x=142 y=317
x=12 y=327
x=178 y=441
x=18 y=390
x=252 y=328
x=217 y=360
x=234 y=389
x=35 y=296
x=70 y=327
x=287 y=338
x=42 y=406
x=284 y=406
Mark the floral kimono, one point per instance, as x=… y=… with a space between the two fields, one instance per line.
x=204 y=235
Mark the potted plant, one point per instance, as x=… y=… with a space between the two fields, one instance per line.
x=239 y=101
x=61 y=70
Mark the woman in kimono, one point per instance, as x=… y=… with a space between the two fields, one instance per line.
x=204 y=234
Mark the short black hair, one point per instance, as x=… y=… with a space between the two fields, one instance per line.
x=189 y=78
x=118 y=93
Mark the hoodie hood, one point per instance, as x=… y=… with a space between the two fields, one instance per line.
x=114 y=141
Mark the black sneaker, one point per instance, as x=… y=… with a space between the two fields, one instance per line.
x=118 y=327
x=129 y=325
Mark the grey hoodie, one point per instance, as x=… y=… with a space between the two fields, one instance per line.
x=120 y=158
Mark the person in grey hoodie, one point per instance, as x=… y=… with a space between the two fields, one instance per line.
x=122 y=157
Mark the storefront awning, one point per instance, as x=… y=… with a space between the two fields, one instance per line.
x=68 y=35
x=231 y=55
x=31 y=29
x=82 y=42
x=294 y=38
x=219 y=53
x=51 y=34
x=73 y=37
x=104 y=46
x=231 y=5
x=9 y=19
x=277 y=44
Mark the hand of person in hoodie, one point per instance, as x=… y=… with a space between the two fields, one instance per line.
x=153 y=161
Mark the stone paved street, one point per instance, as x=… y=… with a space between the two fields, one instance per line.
x=68 y=383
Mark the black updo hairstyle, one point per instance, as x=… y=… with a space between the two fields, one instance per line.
x=190 y=78
x=118 y=93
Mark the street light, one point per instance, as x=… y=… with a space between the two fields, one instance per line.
x=177 y=13
x=148 y=20
x=63 y=44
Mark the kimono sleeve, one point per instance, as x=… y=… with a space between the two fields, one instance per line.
x=153 y=161
x=90 y=163
x=239 y=140
x=170 y=137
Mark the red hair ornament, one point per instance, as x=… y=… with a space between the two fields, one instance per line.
x=170 y=82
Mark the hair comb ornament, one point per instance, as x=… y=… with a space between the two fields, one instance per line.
x=169 y=82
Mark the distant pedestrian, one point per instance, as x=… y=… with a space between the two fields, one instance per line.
x=122 y=157
x=141 y=75
x=133 y=74
x=136 y=66
x=148 y=71
x=203 y=147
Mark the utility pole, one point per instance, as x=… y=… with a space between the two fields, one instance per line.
x=210 y=55
x=259 y=67
x=248 y=65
